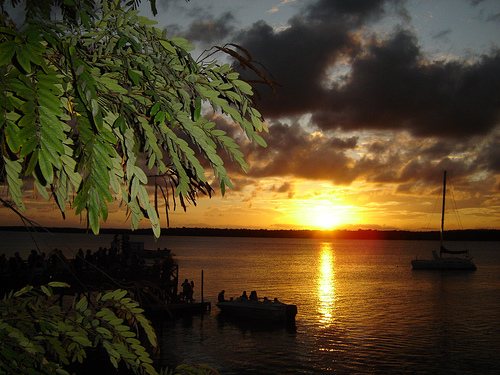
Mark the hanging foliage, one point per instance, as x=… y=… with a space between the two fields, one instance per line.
x=91 y=109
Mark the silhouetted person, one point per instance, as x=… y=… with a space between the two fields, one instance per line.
x=221 y=298
x=19 y=261
x=186 y=290
x=78 y=261
x=244 y=296
x=33 y=258
x=89 y=257
x=253 y=296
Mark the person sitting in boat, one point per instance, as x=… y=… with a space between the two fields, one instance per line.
x=244 y=296
x=253 y=296
x=221 y=298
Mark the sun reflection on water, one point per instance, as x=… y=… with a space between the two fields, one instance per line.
x=326 y=285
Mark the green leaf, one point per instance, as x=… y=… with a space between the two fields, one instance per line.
x=243 y=86
x=7 y=51
x=46 y=290
x=95 y=107
x=197 y=109
x=28 y=119
x=178 y=41
x=208 y=93
x=112 y=84
x=154 y=109
x=22 y=57
x=12 y=134
x=45 y=165
x=28 y=146
x=256 y=123
x=82 y=304
x=134 y=77
x=259 y=140
x=13 y=169
x=83 y=340
x=232 y=76
x=58 y=284
x=93 y=213
x=143 y=196
x=225 y=86
x=41 y=189
x=167 y=45
x=80 y=69
x=50 y=101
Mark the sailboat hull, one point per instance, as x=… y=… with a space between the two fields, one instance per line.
x=443 y=264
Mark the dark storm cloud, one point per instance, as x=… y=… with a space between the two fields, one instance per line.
x=392 y=87
x=297 y=58
x=205 y=28
x=210 y=30
x=390 y=84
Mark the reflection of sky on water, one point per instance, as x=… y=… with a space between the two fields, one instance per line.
x=326 y=285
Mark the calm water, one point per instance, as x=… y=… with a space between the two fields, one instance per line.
x=361 y=309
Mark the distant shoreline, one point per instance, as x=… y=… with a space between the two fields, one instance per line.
x=360 y=234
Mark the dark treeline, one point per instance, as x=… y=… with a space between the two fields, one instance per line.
x=360 y=234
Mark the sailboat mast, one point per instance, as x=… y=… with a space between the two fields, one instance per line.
x=442 y=212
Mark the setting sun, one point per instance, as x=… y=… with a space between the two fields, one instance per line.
x=326 y=216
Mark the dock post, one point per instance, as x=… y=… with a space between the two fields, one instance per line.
x=201 y=286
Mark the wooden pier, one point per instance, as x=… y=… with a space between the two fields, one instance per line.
x=150 y=276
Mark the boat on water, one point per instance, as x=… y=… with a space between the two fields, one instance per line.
x=440 y=262
x=265 y=310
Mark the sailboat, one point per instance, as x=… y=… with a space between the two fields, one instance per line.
x=439 y=262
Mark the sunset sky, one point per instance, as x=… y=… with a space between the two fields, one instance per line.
x=377 y=99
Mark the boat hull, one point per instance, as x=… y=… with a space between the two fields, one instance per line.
x=443 y=264
x=253 y=310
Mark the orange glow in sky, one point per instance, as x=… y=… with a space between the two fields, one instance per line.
x=306 y=206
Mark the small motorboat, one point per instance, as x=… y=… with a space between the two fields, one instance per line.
x=265 y=310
